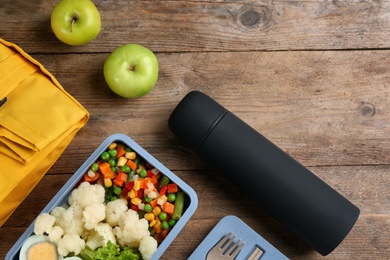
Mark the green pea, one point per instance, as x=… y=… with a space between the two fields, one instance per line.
x=172 y=222
x=171 y=197
x=114 y=198
x=105 y=156
x=117 y=190
x=148 y=199
x=113 y=169
x=112 y=152
x=163 y=216
x=143 y=173
x=148 y=208
x=128 y=149
x=164 y=224
x=126 y=169
x=112 y=162
x=95 y=167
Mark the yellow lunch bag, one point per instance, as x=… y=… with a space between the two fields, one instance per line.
x=38 y=119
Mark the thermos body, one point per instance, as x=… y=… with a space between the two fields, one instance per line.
x=291 y=193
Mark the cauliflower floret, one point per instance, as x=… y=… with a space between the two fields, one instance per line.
x=114 y=210
x=71 y=221
x=87 y=194
x=99 y=237
x=70 y=243
x=93 y=214
x=131 y=229
x=57 y=211
x=56 y=234
x=147 y=247
x=44 y=224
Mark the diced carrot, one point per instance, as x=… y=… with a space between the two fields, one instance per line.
x=157 y=227
x=120 y=151
x=120 y=179
x=168 y=208
x=131 y=164
x=91 y=179
x=105 y=168
x=142 y=183
x=172 y=188
x=154 y=180
x=110 y=175
x=153 y=203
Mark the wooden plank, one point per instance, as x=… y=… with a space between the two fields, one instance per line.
x=173 y=26
x=312 y=76
x=323 y=108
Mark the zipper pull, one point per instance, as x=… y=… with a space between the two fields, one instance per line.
x=3 y=101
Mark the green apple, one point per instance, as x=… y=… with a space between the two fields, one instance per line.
x=75 y=22
x=131 y=70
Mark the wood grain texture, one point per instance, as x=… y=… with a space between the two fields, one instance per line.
x=311 y=76
x=187 y=26
x=323 y=108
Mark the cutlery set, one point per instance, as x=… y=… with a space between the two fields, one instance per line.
x=228 y=249
x=232 y=239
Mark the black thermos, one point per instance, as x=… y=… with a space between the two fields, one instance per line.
x=296 y=197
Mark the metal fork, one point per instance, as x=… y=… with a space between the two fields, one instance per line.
x=226 y=248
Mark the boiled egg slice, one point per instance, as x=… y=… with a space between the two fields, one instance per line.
x=39 y=248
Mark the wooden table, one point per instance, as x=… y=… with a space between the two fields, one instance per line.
x=311 y=76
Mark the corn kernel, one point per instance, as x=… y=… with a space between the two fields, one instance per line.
x=130 y=155
x=156 y=211
x=112 y=146
x=137 y=185
x=157 y=227
x=107 y=182
x=136 y=201
x=132 y=194
x=149 y=216
x=152 y=223
x=121 y=161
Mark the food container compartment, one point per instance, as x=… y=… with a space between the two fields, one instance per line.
x=61 y=197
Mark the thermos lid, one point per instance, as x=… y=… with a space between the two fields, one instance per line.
x=194 y=117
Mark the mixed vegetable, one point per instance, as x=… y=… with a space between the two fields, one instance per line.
x=125 y=175
x=122 y=208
